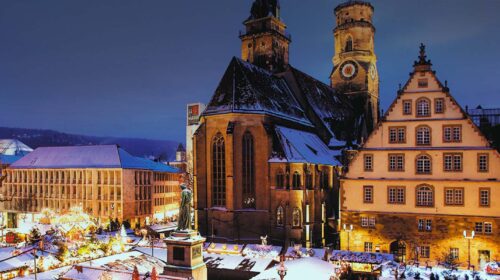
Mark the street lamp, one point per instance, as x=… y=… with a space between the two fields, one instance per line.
x=282 y=270
x=469 y=238
x=348 y=229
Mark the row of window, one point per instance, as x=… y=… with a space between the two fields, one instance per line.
x=166 y=176
x=423 y=106
x=423 y=134
x=63 y=177
x=452 y=162
x=426 y=225
x=63 y=192
x=425 y=196
x=166 y=189
x=296 y=217
x=164 y=201
x=282 y=181
x=36 y=205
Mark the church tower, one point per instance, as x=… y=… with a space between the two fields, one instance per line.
x=355 y=70
x=265 y=42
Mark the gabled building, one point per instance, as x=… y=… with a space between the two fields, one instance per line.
x=424 y=176
x=268 y=148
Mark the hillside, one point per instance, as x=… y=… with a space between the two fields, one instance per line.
x=46 y=138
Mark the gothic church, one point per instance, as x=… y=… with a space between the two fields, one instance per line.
x=271 y=143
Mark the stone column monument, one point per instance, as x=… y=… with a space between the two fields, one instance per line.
x=185 y=246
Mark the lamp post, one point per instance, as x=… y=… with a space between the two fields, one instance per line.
x=282 y=270
x=469 y=238
x=348 y=229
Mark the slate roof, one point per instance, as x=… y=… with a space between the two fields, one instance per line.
x=246 y=88
x=326 y=103
x=302 y=146
x=99 y=156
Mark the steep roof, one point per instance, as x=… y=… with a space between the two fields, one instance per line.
x=302 y=146
x=246 y=88
x=325 y=102
x=13 y=147
x=100 y=156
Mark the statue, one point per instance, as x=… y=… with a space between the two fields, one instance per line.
x=263 y=240
x=184 y=221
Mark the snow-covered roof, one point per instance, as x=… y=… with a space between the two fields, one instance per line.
x=299 y=269
x=99 y=156
x=94 y=273
x=14 y=147
x=360 y=257
x=246 y=88
x=301 y=146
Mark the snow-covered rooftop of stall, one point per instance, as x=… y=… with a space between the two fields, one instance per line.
x=99 y=156
x=299 y=269
x=236 y=262
x=302 y=146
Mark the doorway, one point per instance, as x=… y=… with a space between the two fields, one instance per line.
x=484 y=258
x=398 y=249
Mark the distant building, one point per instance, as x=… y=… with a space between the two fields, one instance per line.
x=180 y=158
x=11 y=150
x=106 y=181
x=424 y=176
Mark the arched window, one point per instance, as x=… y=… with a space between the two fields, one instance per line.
x=424 y=164
x=248 y=172
x=348 y=44
x=296 y=180
x=280 y=216
x=423 y=107
x=423 y=135
x=296 y=217
x=309 y=181
x=425 y=196
x=280 y=180
x=218 y=171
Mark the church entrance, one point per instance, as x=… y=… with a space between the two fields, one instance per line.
x=398 y=249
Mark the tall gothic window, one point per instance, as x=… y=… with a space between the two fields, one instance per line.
x=348 y=44
x=218 y=171
x=423 y=107
x=280 y=180
x=296 y=180
x=248 y=171
x=324 y=180
x=423 y=135
x=309 y=181
x=425 y=196
x=280 y=216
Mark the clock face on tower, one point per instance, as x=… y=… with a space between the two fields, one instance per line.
x=348 y=70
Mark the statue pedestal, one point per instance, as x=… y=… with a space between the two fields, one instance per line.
x=185 y=255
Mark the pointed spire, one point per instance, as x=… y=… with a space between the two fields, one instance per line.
x=423 y=64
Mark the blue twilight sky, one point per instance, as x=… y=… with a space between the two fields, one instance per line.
x=128 y=68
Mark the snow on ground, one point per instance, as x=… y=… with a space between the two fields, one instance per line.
x=300 y=269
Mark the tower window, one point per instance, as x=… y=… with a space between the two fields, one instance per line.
x=280 y=180
x=348 y=44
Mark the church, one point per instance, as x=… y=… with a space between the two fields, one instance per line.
x=272 y=141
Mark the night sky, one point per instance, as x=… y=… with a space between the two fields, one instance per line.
x=128 y=68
